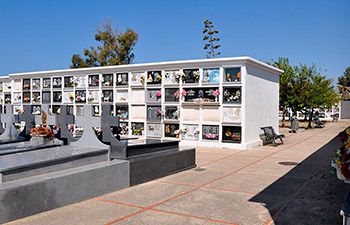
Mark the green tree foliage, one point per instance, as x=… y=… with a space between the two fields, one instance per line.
x=344 y=84
x=115 y=49
x=210 y=45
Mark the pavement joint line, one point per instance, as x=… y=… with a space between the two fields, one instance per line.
x=221 y=158
x=276 y=214
x=196 y=188
x=258 y=174
x=119 y=203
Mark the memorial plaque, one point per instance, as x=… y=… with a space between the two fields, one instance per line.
x=123 y=112
x=191 y=75
x=36 y=84
x=122 y=96
x=96 y=110
x=137 y=128
x=190 y=113
x=154 y=112
x=70 y=110
x=46 y=82
x=154 y=77
x=46 y=97
x=190 y=132
x=57 y=96
x=137 y=78
x=210 y=132
x=57 y=82
x=107 y=80
x=107 y=96
x=26 y=84
x=138 y=95
x=122 y=78
x=172 y=112
x=68 y=97
x=198 y=95
x=26 y=97
x=170 y=76
x=36 y=109
x=153 y=95
x=69 y=82
x=94 y=80
x=8 y=99
x=79 y=110
x=81 y=81
x=36 y=97
x=172 y=95
x=231 y=134
x=7 y=86
x=138 y=112
x=211 y=76
x=80 y=96
x=232 y=75
x=154 y=130
x=231 y=114
x=211 y=113
x=56 y=109
x=232 y=95
x=93 y=96
x=169 y=130
x=124 y=128
x=17 y=97
x=17 y=85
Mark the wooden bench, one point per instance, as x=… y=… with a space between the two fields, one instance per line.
x=270 y=136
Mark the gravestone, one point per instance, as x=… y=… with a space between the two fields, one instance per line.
x=29 y=119
x=9 y=118
x=117 y=148
x=63 y=119
x=88 y=121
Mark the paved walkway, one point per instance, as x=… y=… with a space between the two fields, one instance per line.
x=288 y=184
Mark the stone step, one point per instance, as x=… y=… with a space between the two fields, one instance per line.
x=145 y=146
x=27 y=164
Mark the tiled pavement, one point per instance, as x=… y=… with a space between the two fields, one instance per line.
x=227 y=187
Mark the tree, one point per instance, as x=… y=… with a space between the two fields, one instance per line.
x=115 y=49
x=318 y=91
x=344 y=83
x=286 y=78
x=210 y=46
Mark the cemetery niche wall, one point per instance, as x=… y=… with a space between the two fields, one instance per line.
x=198 y=102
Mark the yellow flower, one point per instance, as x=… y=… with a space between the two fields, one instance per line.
x=338 y=162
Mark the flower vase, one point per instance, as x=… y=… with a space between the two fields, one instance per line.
x=177 y=135
x=340 y=175
x=216 y=98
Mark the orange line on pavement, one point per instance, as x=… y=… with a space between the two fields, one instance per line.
x=167 y=182
x=220 y=159
x=223 y=189
x=120 y=203
x=258 y=174
x=125 y=217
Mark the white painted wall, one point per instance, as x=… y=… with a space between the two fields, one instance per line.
x=261 y=102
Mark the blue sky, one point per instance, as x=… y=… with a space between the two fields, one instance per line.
x=43 y=35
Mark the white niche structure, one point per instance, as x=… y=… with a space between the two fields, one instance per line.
x=209 y=102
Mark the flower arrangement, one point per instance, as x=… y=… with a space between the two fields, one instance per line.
x=18 y=110
x=236 y=136
x=97 y=130
x=177 y=94
x=8 y=100
x=90 y=99
x=1 y=89
x=233 y=96
x=18 y=97
x=196 y=74
x=17 y=126
x=71 y=97
x=97 y=80
x=46 y=85
x=183 y=130
x=183 y=93
x=159 y=94
x=210 y=136
x=177 y=132
x=179 y=76
x=142 y=79
x=159 y=77
x=216 y=93
x=26 y=99
x=159 y=112
x=107 y=99
x=26 y=86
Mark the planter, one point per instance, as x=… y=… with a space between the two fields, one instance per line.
x=40 y=139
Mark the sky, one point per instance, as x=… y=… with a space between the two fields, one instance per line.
x=42 y=35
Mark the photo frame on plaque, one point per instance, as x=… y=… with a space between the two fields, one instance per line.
x=210 y=132
x=172 y=95
x=172 y=112
x=107 y=80
x=122 y=79
x=154 y=113
x=107 y=96
x=137 y=78
x=231 y=134
x=232 y=75
x=211 y=75
x=154 y=130
x=170 y=130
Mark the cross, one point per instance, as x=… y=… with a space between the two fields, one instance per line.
x=28 y=118
x=9 y=118
x=118 y=149
x=88 y=121
x=63 y=119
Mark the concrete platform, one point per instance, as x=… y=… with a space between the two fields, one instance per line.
x=228 y=186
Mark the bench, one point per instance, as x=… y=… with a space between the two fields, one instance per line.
x=318 y=122
x=270 y=136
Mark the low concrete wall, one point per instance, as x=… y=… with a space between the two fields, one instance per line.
x=25 y=197
x=345 y=110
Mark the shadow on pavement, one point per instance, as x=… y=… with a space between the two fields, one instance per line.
x=314 y=194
